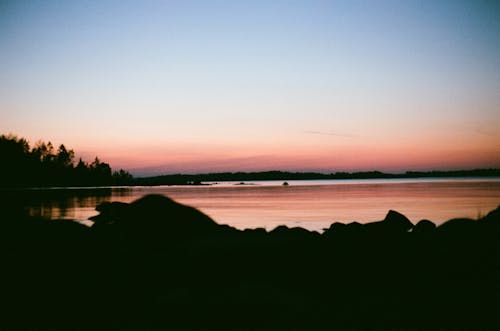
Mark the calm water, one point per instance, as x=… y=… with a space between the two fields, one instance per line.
x=310 y=204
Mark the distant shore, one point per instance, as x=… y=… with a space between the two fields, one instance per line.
x=200 y=179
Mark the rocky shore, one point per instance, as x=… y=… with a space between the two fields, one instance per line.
x=156 y=264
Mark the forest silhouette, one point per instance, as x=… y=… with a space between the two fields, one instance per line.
x=43 y=165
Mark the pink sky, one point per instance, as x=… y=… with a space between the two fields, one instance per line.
x=312 y=153
x=180 y=86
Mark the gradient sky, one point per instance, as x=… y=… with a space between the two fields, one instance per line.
x=196 y=86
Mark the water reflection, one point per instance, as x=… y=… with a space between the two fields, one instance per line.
x=64 y=203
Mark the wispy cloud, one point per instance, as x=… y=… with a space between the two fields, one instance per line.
x=331 y=133
x=485 y=132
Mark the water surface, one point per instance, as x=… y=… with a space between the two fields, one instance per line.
x=311 y=204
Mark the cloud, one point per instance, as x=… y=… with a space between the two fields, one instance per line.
x=485 y=132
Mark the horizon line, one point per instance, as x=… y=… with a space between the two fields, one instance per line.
x=325 y=173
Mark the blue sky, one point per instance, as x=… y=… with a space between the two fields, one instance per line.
x=167 y=86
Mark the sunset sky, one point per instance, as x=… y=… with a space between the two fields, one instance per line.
x=197 y=86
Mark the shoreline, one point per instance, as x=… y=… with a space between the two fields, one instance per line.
x=157 y=264
x=251 y=182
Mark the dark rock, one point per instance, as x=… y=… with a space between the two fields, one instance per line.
x=424 y=226
x=398 y=221
x=354 y=227
x=283 y=231
x=364 y=277
x=493 y=216
x=255 y=232
x=394 y=222
x=154 y=220
x=339 y=230
x=110 y=212
x=458 y=225
x=334 y=228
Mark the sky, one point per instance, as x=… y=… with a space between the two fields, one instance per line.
x=158 y=87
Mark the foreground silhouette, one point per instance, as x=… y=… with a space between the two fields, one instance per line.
x=157 y=264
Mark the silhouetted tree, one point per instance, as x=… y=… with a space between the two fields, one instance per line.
x=41 y=166
x=15 y=160
x=101 y=172
x=122 y=177
x=65 y=157
x=43 y=152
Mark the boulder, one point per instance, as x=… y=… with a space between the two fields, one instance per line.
x=493 y=216
x=285 y=232
x=424 y=226
x=459 y=226
x=110 y=212
x=154 y=218
x=397 y=221
x=393 y=222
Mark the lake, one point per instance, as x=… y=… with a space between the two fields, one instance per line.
x=312 y=204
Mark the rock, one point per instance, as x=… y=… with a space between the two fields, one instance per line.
x=458 y=226
x=255 y=232
x=493 y=216
x=398 y=221
x=110 y=212
x=283 y=231
x=334 y=228
x=154 y=218
x=424 y=226
x=394 y=222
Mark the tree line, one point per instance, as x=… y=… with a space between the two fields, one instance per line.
x=183 y=179
x=42 y=165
